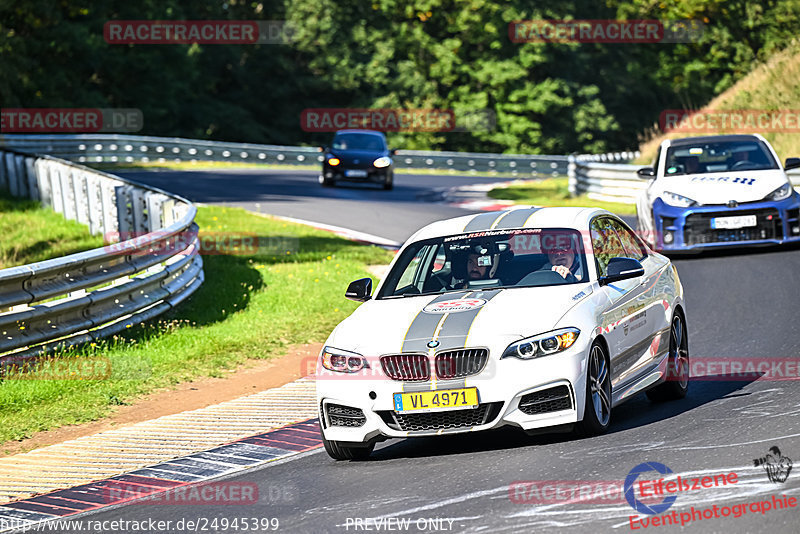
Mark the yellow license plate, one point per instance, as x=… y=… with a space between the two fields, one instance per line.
x=434 y=401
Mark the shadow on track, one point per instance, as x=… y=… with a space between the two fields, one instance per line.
x=637 y=412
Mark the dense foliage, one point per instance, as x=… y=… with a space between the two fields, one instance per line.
x=452 y=54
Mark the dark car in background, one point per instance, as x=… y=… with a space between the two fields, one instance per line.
x=358 y=156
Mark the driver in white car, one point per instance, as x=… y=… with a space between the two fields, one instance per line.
x=561 y=259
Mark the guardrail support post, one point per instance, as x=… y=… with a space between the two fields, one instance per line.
x=572 y=182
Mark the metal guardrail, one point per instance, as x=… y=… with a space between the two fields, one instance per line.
x=617 y=182
x=97 y=148
x=93 y=294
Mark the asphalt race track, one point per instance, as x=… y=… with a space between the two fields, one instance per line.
x=740 y=306
x=367 y=208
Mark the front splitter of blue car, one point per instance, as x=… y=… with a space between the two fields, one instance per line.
x=692 y=229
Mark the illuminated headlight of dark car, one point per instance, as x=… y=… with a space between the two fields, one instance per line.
x=382 y=162
x=333 y=162
x=542 y=344
x=342 y=361
x=779 y=194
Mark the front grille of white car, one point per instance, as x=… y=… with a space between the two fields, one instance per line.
x=450 y=364
x=546 y=401
x=451 y=419
x=460 y=363
x=407 y=367
x=339 y=415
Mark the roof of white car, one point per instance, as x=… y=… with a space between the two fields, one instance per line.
x=516 y=217
x=710 y=139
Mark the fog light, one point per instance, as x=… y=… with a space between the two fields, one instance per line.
x=668 y=238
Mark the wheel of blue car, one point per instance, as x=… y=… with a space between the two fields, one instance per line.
x=597 y=411
x=337 y=451
x=677 y=383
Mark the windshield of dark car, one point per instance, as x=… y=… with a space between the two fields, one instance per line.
x=726 y=156
x=358 y=141
x=506 y=258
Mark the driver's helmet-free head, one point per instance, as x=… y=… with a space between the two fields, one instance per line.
x=559 y=246
x=553 y=242
x=691 y=163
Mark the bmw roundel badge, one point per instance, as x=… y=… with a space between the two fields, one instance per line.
x=432 y=344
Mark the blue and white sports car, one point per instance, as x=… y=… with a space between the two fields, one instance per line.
x=717 y=191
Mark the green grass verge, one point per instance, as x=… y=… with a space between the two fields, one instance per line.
x=31 y=233
x=554 y=192
x=250 y=306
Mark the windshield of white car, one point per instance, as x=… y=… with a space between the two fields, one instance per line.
x=724 y=156
x=358 y=141
x=528 y=257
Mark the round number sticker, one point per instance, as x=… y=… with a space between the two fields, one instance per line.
x=451 y=306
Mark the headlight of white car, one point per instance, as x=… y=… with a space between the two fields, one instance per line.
x=542 y=345
x=343 y=361
x=382 y=162
x=674 y=199
x=779 y=194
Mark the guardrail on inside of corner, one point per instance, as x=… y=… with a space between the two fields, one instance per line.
x=93 y=294
x=600 y=178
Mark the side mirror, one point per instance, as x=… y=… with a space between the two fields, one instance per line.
x=393 y=151
x=791 y=163
x=360 y=290
x=646 y=172
x=621 y=269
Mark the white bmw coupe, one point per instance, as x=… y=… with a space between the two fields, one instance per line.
x=540 y=318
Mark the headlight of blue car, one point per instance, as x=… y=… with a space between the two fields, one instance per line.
x=779 y=194
x=679 y=201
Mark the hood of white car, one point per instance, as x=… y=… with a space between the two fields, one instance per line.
x=721 y=187
x=455 y=320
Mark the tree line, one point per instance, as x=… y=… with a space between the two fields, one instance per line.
x=546 y=97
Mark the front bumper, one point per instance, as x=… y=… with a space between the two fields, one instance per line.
x=540 y=393
x=689 y=229
x=339 y=173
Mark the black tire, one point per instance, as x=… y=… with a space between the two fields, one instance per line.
x=597 y=410
x=388 y=182
x=677 y=384
x=337 y=451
